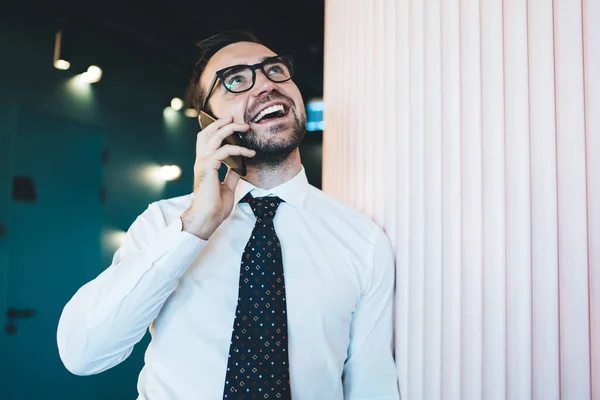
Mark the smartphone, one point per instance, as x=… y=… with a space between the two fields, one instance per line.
x=236 y=163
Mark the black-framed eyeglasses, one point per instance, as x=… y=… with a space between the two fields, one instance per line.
x=241 y=78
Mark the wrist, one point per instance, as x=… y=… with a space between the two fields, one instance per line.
x=195 y=225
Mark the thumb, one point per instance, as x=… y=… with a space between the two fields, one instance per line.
x=232 y=179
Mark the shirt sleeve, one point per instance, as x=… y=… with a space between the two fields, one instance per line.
x=102 y=322
x=370 y=370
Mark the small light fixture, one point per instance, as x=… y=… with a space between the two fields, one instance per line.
x=113 y=238
x=92 y=75
x=170 y=172
x=191 y=113
x=59 y=60
x=176 y=104
x=62 y=65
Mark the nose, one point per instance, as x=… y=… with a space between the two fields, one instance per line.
x=262 y=84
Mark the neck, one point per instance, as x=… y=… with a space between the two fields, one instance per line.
x=269 y=176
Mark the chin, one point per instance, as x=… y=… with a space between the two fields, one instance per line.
x=277 y=134
x=274 y=144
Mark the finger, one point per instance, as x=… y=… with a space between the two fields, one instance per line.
x=215 y=126
x=203 y=140
x=231 y=179
x=218 y=137
x=205 y=148
x=231 y=150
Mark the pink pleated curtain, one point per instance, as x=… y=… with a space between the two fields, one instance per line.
x=470 y=130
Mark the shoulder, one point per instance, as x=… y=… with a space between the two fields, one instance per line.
x=341 y=216
x=352 y=235
x=328 y=206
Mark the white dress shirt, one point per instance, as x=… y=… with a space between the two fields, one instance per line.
x=339 y=277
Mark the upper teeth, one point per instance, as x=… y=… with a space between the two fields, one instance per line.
x=268 y=110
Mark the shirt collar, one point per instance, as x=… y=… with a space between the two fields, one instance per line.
x=292 y=192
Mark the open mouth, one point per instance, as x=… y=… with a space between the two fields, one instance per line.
x=271 y=113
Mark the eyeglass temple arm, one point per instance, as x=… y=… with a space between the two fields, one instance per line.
x=212 y=86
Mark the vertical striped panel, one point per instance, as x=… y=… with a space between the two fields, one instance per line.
x=432 y=325
x=494 y=259
x=345 y=105
x=572 y=218
x=370 y=122
x=416 y=202
x=332 y=159
x=401 y=241
x=390 y=77
x=470 y=133
x=379 y=77
x=451 y=207
x=471 y=199
x=357 y=153
x=544 y=229
x=591 y=51
x=518 y=204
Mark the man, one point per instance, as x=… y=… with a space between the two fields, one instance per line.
x=254 y=288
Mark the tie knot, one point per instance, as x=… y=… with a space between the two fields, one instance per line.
x=263 y=207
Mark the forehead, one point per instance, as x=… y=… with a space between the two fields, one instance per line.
x=234 y=54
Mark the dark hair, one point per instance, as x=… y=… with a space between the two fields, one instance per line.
x=208 y=47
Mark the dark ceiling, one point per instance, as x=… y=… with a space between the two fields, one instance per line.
x=165 y=31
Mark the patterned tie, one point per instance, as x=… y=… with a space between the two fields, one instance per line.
x=258 y=366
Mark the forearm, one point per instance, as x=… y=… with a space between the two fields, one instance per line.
x=371 y=372
x=104 y=320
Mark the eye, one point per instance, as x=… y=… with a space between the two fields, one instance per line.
x=235 y=82
x=275 y=69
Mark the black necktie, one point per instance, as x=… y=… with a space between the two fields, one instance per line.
x=258 y=366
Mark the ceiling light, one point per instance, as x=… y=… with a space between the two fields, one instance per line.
x=62 y=65
x=170 y=172
x=92 y=75
x=176 y=104
x=59 y=57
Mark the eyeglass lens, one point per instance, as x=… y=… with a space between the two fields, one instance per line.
x=239 y=79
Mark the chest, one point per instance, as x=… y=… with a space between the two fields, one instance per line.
x=323 y=282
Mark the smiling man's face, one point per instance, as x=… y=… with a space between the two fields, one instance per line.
x=274 y=111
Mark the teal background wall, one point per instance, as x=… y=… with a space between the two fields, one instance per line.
x=124 y=114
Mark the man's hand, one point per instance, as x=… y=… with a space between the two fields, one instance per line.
x=213 y=200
